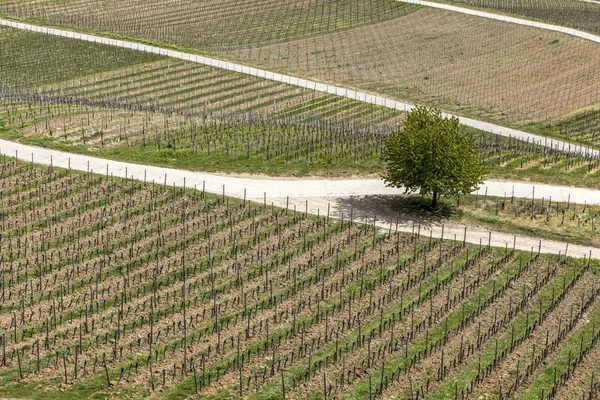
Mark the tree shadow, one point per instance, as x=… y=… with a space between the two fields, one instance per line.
x=401 y=209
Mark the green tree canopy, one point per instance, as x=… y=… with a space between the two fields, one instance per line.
x=430 y=154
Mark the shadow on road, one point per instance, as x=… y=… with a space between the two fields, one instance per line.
x=395 y=209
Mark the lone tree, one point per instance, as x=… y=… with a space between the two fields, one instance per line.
x=431 y=155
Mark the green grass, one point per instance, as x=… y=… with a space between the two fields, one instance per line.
x=569 y=351
x=553 y=129
x=429 y=284
x=520 y=324
x=583 y=128
x=94 y=385
x=455 y=321
x=93 y=388
x=185 y=159
x=480 y=211
x=285 y=154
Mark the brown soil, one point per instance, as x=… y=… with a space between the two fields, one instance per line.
x=465 y=64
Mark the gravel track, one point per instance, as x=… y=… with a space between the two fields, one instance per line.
x=512 y=20
x=319 y=195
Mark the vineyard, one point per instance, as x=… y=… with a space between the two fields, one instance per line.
x=53 y=67
x=581 y=128
x=511 y=74
x=536 y=216
x=29 y=60
x=583 y=15
x=536 y=80
x=211 y=24
x=116 y=288
x=277 y=142
x=112 y=287
x=184 y=88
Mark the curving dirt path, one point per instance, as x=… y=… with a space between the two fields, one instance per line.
x=323 y=87
x=317 y=196
x=369 y=209
x=512 y=20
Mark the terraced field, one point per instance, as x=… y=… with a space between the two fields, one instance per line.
x=112 y=287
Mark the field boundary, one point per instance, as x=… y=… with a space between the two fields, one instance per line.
x=304 y=194
x=256 y=188
x=298 y=82
x=508 y=19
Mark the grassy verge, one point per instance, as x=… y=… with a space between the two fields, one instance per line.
x=544 y=219
x=521 y=166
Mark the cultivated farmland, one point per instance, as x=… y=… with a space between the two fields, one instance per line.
x=54 y=67
x=192 y=89
x=278 y=144
x=115 y=288
x=539 y=216
x=536 y=80
x=211 y=24
x=112 y=287
x=29 y=60
x=510 y=74
x=579 y=14
x=340 y=138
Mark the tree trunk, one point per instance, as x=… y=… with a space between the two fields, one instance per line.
x=435 y=198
